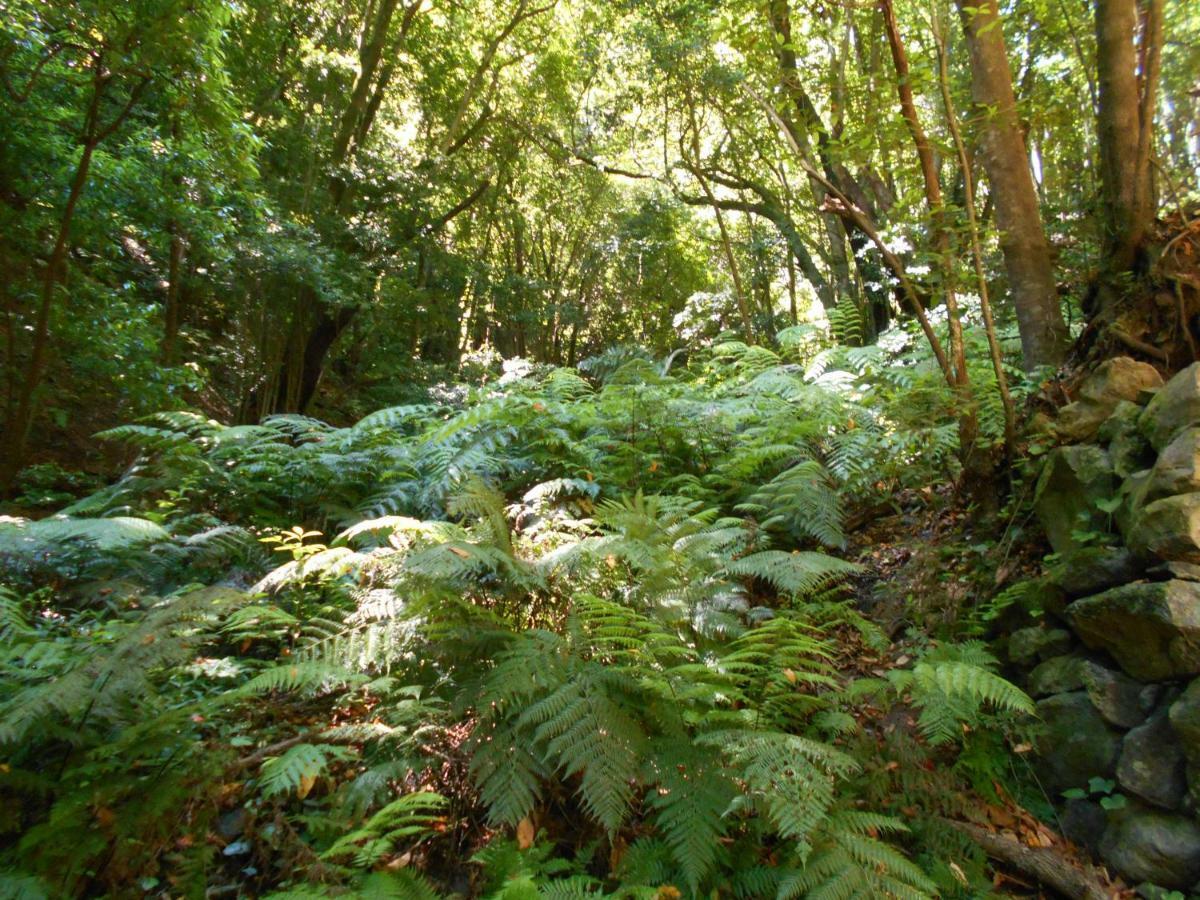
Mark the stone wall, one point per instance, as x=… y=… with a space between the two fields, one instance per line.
x=1115 y=664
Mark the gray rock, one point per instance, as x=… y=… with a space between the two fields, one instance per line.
x=1168 y=529
x=1122 y=420
x=1057 y=675
x=1177 y=469
x=1185 y=720
x=1116 y=696
x=1152 y=766
x=1083 y=823
x=1175 y=569
x=1127 y=448
x=1072 y=481
x=1133 y=496
x=1029 y=645
x=1089 y=570
x=1152 y=629
x=1175 y=407
x=1081 y=420
x=1148 y=845
x=1076 y=743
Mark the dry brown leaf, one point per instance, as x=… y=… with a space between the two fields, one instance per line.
x=525 y=833
x=304 y=788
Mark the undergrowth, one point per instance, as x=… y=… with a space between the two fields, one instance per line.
x=552 y=636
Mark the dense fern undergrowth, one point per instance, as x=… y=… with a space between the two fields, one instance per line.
x=563 y=633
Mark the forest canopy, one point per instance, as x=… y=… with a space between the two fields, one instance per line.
x=504 y=447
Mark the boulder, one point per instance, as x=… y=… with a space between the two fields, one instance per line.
x=1073 y=480
x=1089 y=570
x=1127 y=447
x=1167 y=529
x=1177 y=469
x=1154 y=846
x=1076 y=743
x=1119 y=378
x=1185 y=720
x=1079 y=421
x=1116 y=380
x=1057 y=675
x=1133 y=497
x=1122 y=420
x=1121 y=700
x=1152 y=629
x=1083 y=823
x=1152 y=766
x=1175 y=569
x=1029 y=645
x=1175 y=407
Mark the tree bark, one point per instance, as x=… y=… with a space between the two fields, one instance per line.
x=18 y=427
x=1125 y=122
x=779 y=17
x=1002 y=148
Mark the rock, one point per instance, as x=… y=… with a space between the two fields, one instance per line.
x=1083 y=823
x=1152 y=629
x=1184 y=714
x=1029 y=645
x=1057 y=675
x=1173 y=408
x=1122 y=420
x=1148 y=845
x=1119 y=378
x=1115 y=380
x=1076 y=743
x=1152 y=766
x=1089 y=570
x=1127 y=448
x=1168 y=529
x=1177 y=470
x=1117 y=697
x=1072 y=481
x=1175 y=569
x=1079 y=421
x=1132 y=493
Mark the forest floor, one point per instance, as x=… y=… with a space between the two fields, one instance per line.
x=929 y=562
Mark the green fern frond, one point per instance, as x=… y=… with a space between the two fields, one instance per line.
x=799 y=573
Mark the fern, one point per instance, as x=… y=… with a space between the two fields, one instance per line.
x=295 y=770
x=951 y=692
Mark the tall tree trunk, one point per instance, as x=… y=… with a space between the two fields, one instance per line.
x=1127 y=85
x=18 y=427
x=1002 y=147
x=779 y=16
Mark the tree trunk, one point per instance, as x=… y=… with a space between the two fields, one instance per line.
x=1125 y=121
x=17 y=428
x=1002 y=147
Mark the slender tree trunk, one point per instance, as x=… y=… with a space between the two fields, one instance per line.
x=779 y=17
x=17 y=429
x=933 y=193
x=1125 y=124
x=1002 y=148
x=173 y=311
x=985 y=303
x=739 y=293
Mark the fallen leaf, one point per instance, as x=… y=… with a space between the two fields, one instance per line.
x=305 y=786
x=958 y=873
x=525 y=833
